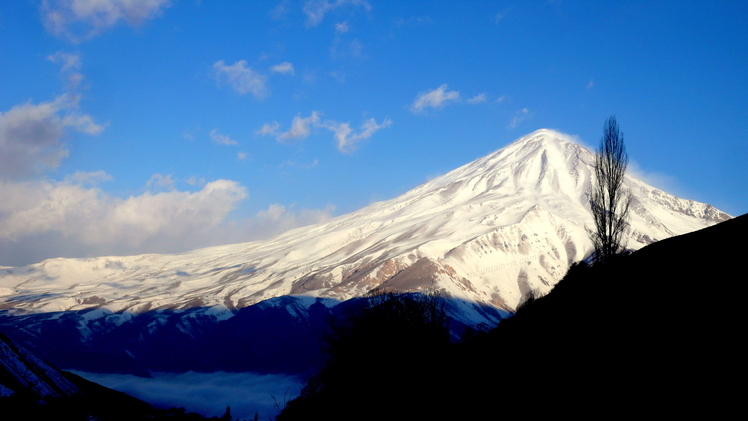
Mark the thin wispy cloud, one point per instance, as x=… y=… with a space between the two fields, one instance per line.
x=195 y=181
x=342 y=27
x=341 y=48
x=590 y=84
x=315 y=10
x=346 y=139
x=80 y=20
x=67 y=61
x=435 y=98
x=284 y=68
x=292 y=163
x=268 y=129
x=519 y=117
x=220 y=138
x=241 y=78
x=499 y=17
x=280 y=11
x=413 y=21
x=160 y=182
x=90 y=178
x=338 y=76
x=478 y=99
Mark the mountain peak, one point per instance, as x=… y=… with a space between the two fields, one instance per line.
x=546 y=137
x=491 y=232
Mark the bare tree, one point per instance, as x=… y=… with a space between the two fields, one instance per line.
x=609 y=201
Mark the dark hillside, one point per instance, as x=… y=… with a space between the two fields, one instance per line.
x=657 y=332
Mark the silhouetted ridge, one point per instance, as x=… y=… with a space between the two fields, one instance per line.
x=593 y=347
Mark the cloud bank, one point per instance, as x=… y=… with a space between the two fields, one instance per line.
x=207 y=393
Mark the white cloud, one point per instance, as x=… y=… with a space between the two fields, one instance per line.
x=79 y=20
x=221 y=139
x=345 y=138
x=241 y=78
x=519 y=117
x=478 y=99
x=241 y=156
x=42 y=219
x=435 y=98
x=347 y=141
x=316 y=10
x=501 y=99
x=301 y=127
x=590 y=84
x=284 y=68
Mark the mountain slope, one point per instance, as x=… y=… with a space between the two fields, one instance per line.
x=488 y=232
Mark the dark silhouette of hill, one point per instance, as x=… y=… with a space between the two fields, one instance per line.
x=657 y=333
x=382 y=350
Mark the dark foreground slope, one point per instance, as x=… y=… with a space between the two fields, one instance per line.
x=658 y=332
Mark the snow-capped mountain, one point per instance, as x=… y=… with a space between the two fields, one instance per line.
x=488 y=232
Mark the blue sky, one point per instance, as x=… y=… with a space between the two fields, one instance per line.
x=134 y=126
